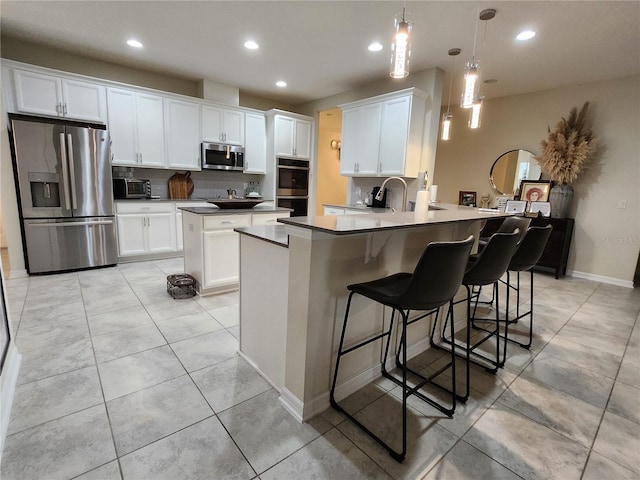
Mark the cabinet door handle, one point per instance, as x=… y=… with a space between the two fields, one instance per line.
x=227 y=222
x=64 y=110
x=58 y=108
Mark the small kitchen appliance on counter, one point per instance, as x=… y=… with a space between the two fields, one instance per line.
x=378 y=203
x=126 y=188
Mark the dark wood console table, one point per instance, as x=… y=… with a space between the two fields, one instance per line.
x=556 y=253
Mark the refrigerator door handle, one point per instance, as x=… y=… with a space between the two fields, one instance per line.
x=65 y=175
x=71 y=224
x=72 y=173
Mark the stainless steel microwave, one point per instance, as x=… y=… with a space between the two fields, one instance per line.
x=218 y=156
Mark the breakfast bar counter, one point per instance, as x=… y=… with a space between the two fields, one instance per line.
x=292 y=300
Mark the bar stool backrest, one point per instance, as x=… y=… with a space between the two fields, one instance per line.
x=437 y=276
x=530 y=249
x=511 y=223
x=493 y=261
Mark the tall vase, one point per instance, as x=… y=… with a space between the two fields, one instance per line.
x=561 y=198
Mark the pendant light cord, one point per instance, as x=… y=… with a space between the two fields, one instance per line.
x=450 y=86
x=475 y=37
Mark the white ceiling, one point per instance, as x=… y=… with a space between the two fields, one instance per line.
x=320 y=47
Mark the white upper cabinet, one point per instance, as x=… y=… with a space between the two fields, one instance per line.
x=360 y=140
x=182 y=127
x=382 y=136
x=394 y=136
x=136 y=123
x=42 y=94
x=255 y=147
x=292 y=137
x=222 y=125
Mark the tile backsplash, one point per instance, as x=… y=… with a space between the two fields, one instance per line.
x=207 y=185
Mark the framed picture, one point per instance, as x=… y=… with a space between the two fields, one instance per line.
x=543 y=207
x=516 y=207
x=535 y=190
x=467 y=198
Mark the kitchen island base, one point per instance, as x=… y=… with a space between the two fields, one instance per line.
x=321 y=263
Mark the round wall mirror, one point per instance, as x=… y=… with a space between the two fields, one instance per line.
x=510 y=168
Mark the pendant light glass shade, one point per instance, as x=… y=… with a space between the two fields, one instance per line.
x=474 y=118
x=401 y=47
x=446 y=126
x=471 y=84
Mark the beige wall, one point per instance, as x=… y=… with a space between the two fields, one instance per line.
x=331 y=187
x=606 y=239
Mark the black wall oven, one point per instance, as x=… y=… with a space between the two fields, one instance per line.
x=292 y=185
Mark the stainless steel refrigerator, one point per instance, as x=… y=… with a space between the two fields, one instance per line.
x=65 y=195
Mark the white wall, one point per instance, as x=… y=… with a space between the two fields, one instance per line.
x=606 y=239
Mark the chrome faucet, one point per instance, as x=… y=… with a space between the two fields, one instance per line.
x=404 y=191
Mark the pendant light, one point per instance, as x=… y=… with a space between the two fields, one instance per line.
x=448 y=116
x=401 y=47
x=470 y=92
x=474 y=118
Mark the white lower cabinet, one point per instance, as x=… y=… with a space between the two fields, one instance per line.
x=145 y=229
x=212 y=247
x=267 y=218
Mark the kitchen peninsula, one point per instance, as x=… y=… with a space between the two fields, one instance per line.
x=293 y=294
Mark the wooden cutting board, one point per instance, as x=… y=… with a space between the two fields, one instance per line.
x=180 y=186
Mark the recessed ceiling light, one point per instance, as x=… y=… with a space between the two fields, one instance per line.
x=526 y=35
x=281 y=84
x=251 y=45
x=375 y=47
x=134 y=43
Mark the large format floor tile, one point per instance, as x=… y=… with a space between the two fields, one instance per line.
x=121 y=382
x=135 y=372
x=147 y=415
x=62 y=448
x=563 y=413
x=525 y=447
x=53 y=397
x=266 y=433
x=329 y=457
x=229 y=383
x=427 y=441
x=464 y=462
x=205 y=350
x=201 y=451
x=619 y=440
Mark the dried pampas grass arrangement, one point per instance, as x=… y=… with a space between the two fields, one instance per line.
x=567 y=150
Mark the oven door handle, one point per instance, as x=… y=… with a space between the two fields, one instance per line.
x=286 y=167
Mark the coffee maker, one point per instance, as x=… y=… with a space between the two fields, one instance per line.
x=378 y=203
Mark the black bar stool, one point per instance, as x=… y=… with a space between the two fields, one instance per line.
x=508 y=225
x=483 y=269
x=527 y=255
x=433 y=283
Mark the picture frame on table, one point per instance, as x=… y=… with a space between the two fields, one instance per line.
x=543 y=208
x=535 y=190
x=517 y=207
x=467 y=199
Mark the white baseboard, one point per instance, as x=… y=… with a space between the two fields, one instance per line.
x=277 y=387
x=601 y=278
x=17 y=273
x=292 y=404
x=8 y=382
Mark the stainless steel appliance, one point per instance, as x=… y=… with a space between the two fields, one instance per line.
x=218 y=156
x=292 y=185
x=124 y=188
x=65 y=194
